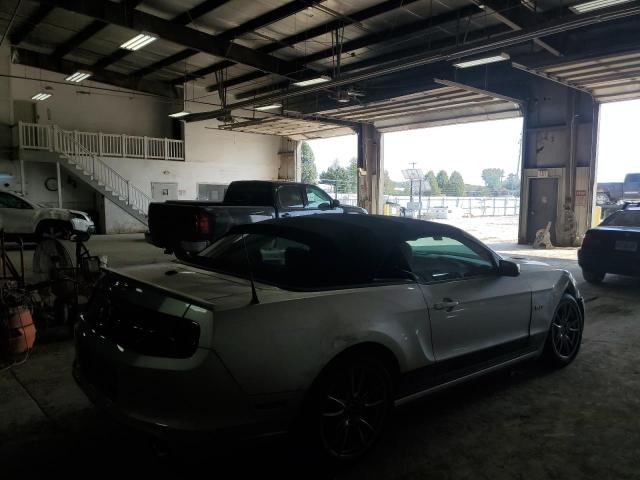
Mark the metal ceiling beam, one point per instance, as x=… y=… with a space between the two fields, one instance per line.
x=449 y=54
x=550 y=77
x=421 y=26
x=198 y=11
x=313 y=32
x=117 y=14
x=231 y=34
x=369 y=62
x=20 y=33
x=516 y=17
x=79 y=38
x=66 y=67
x=165 y=62
x=470 y=88
x=86 y=33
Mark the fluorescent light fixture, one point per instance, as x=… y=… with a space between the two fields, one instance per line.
x=482 y=61
x=312 y=81
x=269 y=107
x=595 y=5
x=139 y=41
x=41 y=96
x=78 y=77
x=183 y=113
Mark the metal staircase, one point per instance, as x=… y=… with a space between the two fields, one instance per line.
x=99 y=175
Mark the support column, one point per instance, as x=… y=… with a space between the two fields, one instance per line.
x=370 y=169
x=558 y=168
x=58 y=177
x=289 y=155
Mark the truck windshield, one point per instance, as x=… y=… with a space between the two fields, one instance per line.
x=629 y=218
x=249 y=194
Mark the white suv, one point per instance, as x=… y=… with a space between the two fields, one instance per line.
x=20 y=216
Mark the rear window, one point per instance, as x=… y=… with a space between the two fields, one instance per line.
x=249 y=194
x=633 y=178
x=289 y=263
x=628 y=218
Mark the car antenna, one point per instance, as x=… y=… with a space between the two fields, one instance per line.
x=254 y=294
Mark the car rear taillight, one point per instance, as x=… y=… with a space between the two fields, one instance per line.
x=202 y=223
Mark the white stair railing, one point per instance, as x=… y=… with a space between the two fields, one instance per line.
x=36 y=136
x=65 y=143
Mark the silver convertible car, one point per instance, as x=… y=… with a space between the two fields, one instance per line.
x=317 y=325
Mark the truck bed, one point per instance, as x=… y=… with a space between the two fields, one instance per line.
x=174 y=224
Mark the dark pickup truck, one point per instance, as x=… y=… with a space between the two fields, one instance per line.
x=187 y=227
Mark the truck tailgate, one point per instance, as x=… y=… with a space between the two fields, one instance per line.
x=171 y=223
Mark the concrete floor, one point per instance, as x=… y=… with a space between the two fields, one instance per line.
x=527 y=422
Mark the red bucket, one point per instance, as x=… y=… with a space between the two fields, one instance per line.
x=22 y=331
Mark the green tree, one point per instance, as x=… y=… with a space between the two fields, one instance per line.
x=389 y=185
x=345 y=179
x=493 y=177
x=456 y=185
x=512 y=183
x=430 y=177
x=443 y=180
x=309 y=171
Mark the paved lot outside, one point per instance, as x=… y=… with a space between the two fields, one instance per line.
x=526 y=422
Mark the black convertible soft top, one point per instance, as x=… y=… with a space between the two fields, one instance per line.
x=362 y=242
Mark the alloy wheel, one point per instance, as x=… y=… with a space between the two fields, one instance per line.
x=353 y=410
x=566 y=330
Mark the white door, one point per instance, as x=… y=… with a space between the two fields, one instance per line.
x=161 y=191
x=476 y=314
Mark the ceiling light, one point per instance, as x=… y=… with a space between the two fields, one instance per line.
x=78 y=77
x=268 y=107
x=312 y=81
x=595 y=5
x=183 y=113
x=482 y=61
x=41 y=96
x=139 y=41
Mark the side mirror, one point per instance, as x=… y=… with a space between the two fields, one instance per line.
x=334 y=203
x=508 y=269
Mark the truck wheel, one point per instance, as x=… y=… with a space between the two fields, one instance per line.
x=593 y=277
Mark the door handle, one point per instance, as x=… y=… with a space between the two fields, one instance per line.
x=446 y=304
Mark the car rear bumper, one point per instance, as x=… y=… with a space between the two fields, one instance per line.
x=618 y=263
x=174 y=399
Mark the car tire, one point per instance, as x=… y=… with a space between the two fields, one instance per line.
x=593 y=277
x=565 y=333
x=348 y=408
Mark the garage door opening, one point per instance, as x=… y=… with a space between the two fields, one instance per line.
x=467 y=175
x=618 y=175
x=332 y=164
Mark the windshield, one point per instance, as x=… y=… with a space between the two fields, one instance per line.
x=626 y=218
x=290 y=263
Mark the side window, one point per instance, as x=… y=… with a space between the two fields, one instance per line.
x=290 y=196
x=316 y=196
x=282 y=261
x=439 y=258
x=9 y=201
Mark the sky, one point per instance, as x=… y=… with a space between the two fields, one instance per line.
x=493 y=144
x=619 y=140
x=486 y=144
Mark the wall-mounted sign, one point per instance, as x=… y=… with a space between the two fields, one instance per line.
x=581 y=198
x=543 y=173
